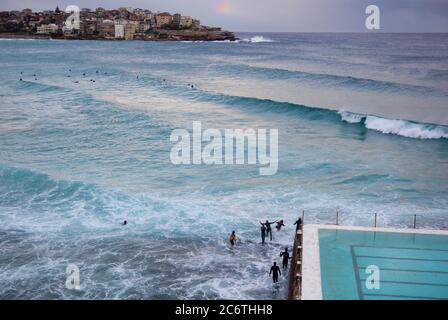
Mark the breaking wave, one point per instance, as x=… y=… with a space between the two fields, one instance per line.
x=257 y=39
x=403 y=128
x=399 y=127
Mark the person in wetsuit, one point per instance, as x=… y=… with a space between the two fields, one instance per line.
x=298 y=223
x=267 y=224
x=279 y=225
x=286 y=257
x=275 y=271
x=263 y=233
x=232 y=238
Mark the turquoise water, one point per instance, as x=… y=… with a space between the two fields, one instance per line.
x=411 y=266
x=362 y=129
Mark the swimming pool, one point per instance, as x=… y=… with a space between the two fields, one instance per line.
x=411 y=266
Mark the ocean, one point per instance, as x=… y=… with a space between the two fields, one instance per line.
x=363 y=128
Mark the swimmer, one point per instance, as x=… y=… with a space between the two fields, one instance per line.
x=232 y=238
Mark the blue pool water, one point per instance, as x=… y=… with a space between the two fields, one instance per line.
x=411 y=266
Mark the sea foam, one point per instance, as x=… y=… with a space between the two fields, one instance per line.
x=257 y=39
x=399 y=127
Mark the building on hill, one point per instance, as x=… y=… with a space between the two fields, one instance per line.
x=47 y=28
x=163 y=19
x=27 y=12
x=119 y=31
x=106 y=29
x=186 y=21
x=129 y=29
x=176 y=21
x=144 y=26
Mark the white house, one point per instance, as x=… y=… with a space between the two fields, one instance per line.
x=119 y=31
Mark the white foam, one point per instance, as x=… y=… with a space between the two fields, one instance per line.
x=21 y=39
x=257 y=39
x=351 y=117
x=406 y=128
x=396 y=126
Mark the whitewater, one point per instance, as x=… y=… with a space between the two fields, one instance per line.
x=362 y=123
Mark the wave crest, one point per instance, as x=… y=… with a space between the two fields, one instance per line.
x=351 y=117
x=403 y=128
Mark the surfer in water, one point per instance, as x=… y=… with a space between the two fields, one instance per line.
x=286 y=257
x=263 y=233
x=267 y=224
x=232 y=238
x=279 y=225
x=275 y=271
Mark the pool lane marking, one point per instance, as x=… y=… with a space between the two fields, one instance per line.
x=355 y=266
x=400 y=296
x=400 y=258
x=400 y=248
x=410 y=270
x=415 y=283
x=359 y=281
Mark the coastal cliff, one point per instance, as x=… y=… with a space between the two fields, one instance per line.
x=158 y=35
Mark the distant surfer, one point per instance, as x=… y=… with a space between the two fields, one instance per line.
x=286 y=257
x=125 y=222
x=232 y=238
x=275 y=271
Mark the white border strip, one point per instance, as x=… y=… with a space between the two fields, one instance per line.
x=311 y=281
x=311 y=277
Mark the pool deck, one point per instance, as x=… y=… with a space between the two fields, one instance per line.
x=311 y=274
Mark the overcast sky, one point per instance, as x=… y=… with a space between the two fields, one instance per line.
x=280 y=15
